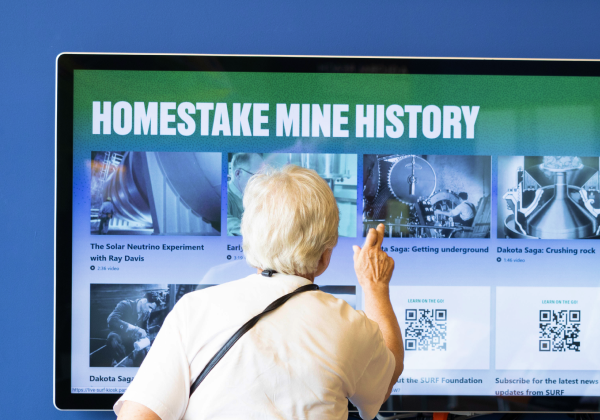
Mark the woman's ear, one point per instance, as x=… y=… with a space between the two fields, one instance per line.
x=324 y=262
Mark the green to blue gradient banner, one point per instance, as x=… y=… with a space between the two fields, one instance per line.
x=491 y=115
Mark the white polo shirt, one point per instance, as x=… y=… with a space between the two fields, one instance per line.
x=299 y=362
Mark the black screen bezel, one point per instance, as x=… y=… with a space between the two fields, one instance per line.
x=67 y=63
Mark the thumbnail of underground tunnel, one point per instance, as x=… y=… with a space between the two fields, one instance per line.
x=548 y=197
x=427 y=196
x=339 y=170
x=156 y=193
x=125 y=319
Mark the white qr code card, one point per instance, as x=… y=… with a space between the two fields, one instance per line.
x=444 y=327
x=547 y=328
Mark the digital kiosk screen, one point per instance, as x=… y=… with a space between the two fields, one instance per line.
x=488 y=185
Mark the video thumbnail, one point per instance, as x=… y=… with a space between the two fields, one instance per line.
x=427 y=196
x=156 y=193
x=125 y=319
x=548 y=197
x=339 y=170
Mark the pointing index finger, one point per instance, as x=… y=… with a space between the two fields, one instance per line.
x=371 y=239
x=380 y=234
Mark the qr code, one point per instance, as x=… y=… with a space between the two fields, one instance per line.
x=559 y=330
x=425 y=329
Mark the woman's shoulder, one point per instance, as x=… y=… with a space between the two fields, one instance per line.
x=346 y=311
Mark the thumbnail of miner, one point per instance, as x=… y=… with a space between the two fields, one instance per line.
x=128 y=341
x=463 y=213
x=243 y=166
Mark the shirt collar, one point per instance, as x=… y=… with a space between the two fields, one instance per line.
x=288 y=278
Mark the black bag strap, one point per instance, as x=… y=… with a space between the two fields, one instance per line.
x=243 y=330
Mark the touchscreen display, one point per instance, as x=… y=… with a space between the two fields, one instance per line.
x=488 y=187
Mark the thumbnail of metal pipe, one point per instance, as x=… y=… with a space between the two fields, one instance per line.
x=169 y=192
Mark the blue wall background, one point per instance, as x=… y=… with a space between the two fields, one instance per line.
x=33 y=33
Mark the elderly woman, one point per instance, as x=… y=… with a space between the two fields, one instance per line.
x=301 y=361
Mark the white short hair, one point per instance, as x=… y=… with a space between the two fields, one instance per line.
x=290 y=218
